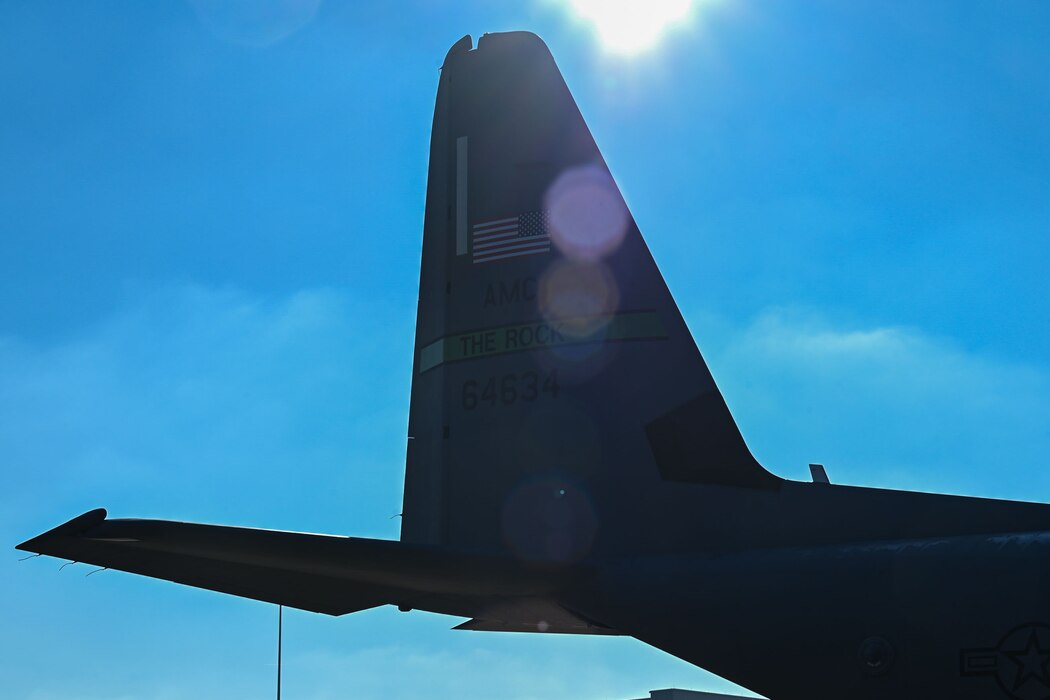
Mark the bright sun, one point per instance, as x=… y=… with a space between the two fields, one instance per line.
x=629 y=26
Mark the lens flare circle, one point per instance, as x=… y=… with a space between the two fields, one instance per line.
x=549 y=520
x=578 y=297
x=588 y=218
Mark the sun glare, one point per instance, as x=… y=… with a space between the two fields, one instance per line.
x=630 y=26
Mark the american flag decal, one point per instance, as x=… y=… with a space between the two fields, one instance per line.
x=501 y=239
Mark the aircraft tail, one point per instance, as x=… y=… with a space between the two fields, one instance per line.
x=558 y=398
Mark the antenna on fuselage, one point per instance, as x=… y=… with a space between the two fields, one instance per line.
x=819 y=474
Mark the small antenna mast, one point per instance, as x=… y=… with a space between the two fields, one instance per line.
x=280 y=630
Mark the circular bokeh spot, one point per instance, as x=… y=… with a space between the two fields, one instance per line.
x=578 y=297
x=549 y=521
x=588 y=219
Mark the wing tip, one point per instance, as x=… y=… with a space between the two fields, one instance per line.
x=81 y=523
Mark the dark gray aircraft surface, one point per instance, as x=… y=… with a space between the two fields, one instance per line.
x=573 y=468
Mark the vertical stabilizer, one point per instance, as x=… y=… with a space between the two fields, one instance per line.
x=557 y=395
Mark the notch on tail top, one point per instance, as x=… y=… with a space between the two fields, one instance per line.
x=554 y=380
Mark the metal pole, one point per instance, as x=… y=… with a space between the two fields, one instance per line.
x=280 y=630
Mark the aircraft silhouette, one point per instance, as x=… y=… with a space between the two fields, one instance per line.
x=573 y=468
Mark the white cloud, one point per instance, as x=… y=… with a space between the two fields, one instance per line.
x=424 y=659
x=189 y=403
x=399 y=672
x=886 y=405
x=190 y=395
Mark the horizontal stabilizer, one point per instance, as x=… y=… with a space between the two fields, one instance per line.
x=321 y=573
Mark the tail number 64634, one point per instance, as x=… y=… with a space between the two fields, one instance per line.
x=509 y=389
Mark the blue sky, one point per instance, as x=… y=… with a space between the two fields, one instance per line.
x=208 y=267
